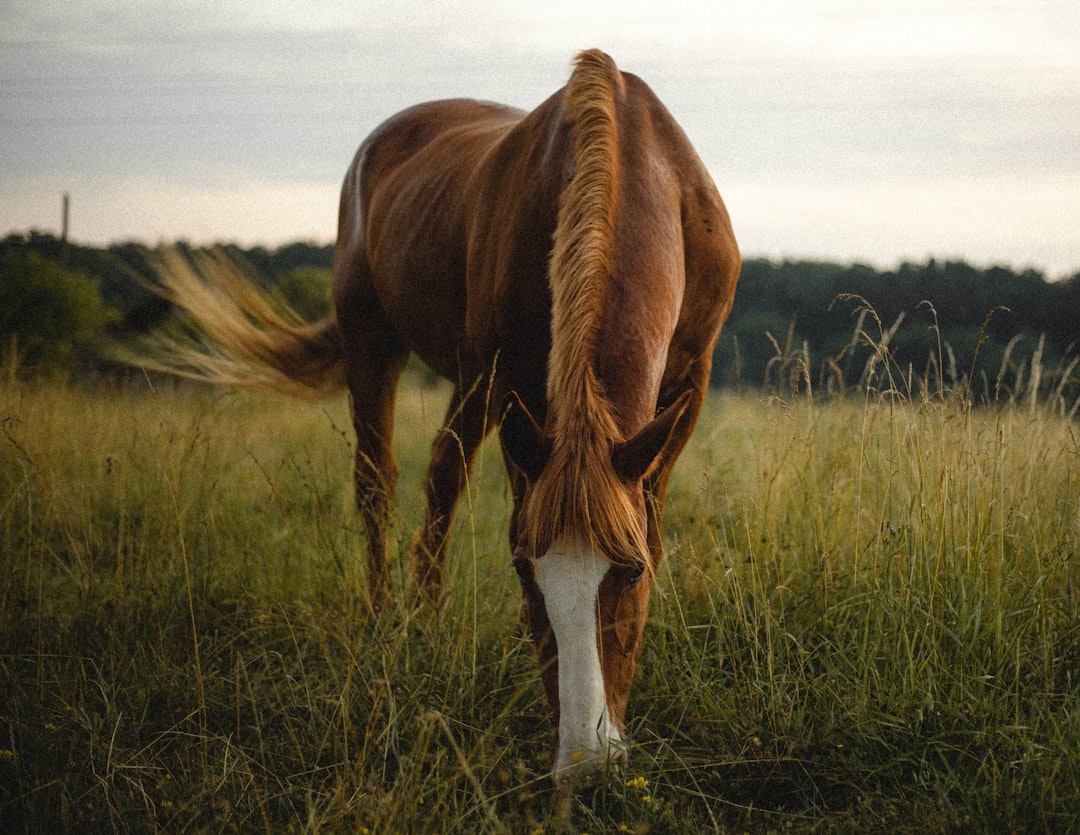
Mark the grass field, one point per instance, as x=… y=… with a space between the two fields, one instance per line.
x=868 y=620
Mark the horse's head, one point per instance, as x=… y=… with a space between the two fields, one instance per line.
x=586 y=590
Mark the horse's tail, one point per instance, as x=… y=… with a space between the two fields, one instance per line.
x=237 y=335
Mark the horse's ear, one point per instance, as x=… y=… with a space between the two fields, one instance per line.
x=634 y=459
x=523 y=441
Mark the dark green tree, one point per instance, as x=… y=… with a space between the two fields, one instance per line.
x=307 y=291
x=51 y=319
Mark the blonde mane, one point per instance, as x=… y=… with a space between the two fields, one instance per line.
x=579 y=496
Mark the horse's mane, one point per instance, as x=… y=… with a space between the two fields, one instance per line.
x=579 y=496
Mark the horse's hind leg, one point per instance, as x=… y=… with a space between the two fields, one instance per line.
x=375 y=472
x=467 y=422
x=375 y=358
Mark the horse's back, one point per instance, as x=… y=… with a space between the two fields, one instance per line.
x=448 y=130
x=449 y=211
x=403 y=219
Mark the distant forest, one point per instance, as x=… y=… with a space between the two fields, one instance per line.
x=831 y=327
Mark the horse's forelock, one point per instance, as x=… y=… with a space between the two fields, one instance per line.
x=580 y=497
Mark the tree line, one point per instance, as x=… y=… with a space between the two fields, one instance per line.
x=948 y=324
x=945 y=324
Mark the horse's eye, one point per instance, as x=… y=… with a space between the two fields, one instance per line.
x=635 y=575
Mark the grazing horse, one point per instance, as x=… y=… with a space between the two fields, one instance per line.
x=572 y=266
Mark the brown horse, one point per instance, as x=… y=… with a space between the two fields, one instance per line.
x=574 y=264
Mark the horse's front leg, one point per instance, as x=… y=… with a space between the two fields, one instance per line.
x=467 y=423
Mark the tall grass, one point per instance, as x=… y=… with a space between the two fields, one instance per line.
x=868 y=619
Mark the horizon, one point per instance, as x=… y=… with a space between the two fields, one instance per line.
x=882 y=268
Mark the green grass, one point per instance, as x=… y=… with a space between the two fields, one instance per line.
x=868 y=620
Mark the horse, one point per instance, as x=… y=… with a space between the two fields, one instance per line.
x=568 y=270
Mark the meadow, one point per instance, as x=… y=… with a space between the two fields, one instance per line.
x=868 y=619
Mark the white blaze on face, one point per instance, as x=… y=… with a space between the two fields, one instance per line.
x=569 y=577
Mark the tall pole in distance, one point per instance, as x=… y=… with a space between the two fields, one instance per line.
x=64 y=229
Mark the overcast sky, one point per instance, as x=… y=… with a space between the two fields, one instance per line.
x=841 y=130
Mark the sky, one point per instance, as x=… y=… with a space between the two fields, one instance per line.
x=840 y=130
